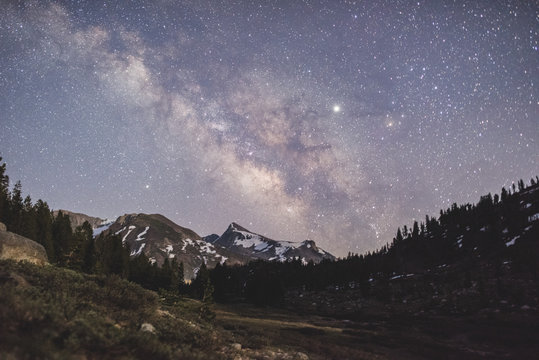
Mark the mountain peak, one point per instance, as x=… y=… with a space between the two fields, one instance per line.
x=235 y=226
x=238 y=239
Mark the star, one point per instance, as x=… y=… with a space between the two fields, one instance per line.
x=340 y=117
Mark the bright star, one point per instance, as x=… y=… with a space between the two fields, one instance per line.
x=336 y=108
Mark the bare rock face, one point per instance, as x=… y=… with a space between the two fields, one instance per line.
x=16 y=247
x=77 y=219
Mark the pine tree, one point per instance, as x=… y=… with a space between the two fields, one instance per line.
x=142 y=272
x=206 y=312
x=202 y=276
x=4 y=193
x=62 y=235
x=521 y=185
x=504 y=195
x=29 y=219
x=84 y=255
x=16 y=210
x=113 y=257
x=398 y=238
x=181 y=278
x=44 y=228
x=415 y=230
x=166 y=277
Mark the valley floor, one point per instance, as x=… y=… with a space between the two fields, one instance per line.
x=48 y=312
x=384 y=336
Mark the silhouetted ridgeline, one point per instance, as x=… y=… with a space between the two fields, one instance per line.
x=468 y=258
x=488 y=251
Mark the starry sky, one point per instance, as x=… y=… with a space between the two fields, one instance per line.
x=336 y=121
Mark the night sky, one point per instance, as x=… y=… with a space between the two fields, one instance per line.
x=336 y=121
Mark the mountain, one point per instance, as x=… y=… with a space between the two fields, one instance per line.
x=255 y=246
x=159 y=238
x=473 y=258
x=77 y=219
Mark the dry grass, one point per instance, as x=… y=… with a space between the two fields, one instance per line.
x=496 y=336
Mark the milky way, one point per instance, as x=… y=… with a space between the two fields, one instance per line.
x=334 y=121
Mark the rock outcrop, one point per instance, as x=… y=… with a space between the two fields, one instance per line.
x=16 y=247
x=77 y=219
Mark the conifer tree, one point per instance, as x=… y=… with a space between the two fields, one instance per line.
x=62 y=235
x=399 y=237
x=16 y=210
x=166 y=277
x=44 y=228
x=113 y=257
x=181 y=278
x=84 y=248
x=504 y=195
x=198 y=284
x=29 y=219
x=415 y=230
x=4 y=193
x=206 y=312
x=521 y=185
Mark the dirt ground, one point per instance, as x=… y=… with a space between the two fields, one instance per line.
x=384 y=335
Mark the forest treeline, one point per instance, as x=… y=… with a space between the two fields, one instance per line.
x=78 y=249
x=474 y=237
x=458 y=234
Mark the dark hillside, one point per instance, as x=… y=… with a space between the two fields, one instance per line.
x=471 y=257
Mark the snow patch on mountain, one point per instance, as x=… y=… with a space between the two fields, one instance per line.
x=512 y=241
x=101 y=228
x=140 y=236
x=248 y=240
x=137 y=252
x=206 y=247
x=131 y=228
x=187 y=242
x=119 y=231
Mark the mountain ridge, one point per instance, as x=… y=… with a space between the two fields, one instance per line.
x=159 y=238
x=244 y=241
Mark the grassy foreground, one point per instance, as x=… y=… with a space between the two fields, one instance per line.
x=48 y=312
x=54 y=313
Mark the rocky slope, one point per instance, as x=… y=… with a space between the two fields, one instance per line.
x=77 y=219
x=160 y=238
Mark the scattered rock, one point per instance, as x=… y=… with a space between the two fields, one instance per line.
x=236 y=346
x=16 y=247
x=301 y=356
x=147 y=327
x=164 y=313
x=3 y=227
x=525 y=307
